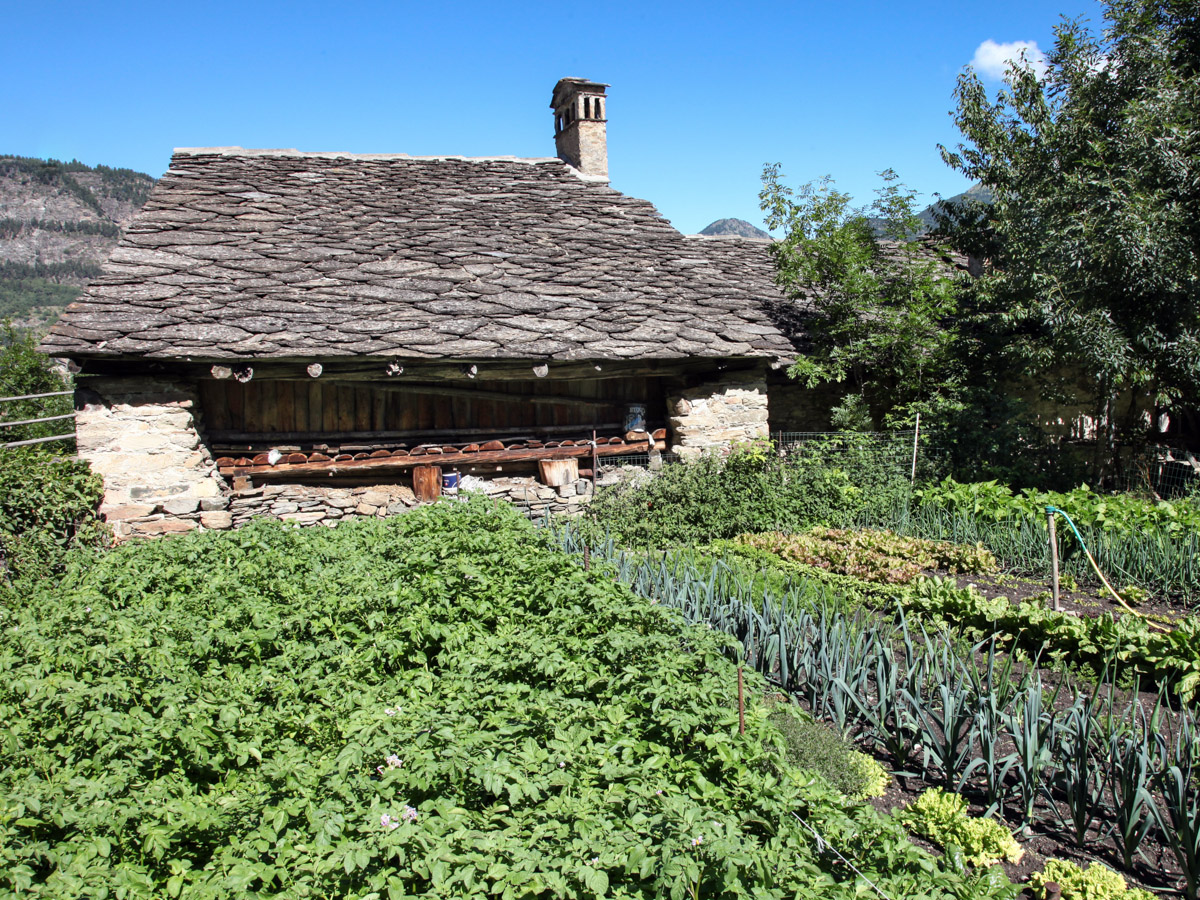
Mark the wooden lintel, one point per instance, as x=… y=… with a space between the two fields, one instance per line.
x=358 y=369
x=524 y=433
x=400 y=463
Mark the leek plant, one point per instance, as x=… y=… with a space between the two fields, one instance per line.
x=1179 y=817
x=1130 y=764
x=948 y=725
x=1080 y=780
x=994 y=691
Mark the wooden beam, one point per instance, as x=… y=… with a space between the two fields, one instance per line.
x=400 y=463
x=350 y=368
x=520 y=432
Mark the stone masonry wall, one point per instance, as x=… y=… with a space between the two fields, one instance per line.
x=142 y=436
x=717 y=414
x=320 y=505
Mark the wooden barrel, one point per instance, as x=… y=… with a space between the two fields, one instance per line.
x=557 y=472
x=427 y=483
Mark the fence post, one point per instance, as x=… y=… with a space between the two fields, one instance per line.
x=1053 y=561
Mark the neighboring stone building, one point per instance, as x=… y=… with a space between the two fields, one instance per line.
x=286 y=333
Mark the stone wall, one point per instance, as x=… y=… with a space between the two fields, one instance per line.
x=319 y=505
x=142 y=436
x=795 y=407
x=716 y=414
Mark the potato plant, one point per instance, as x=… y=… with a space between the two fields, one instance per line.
x=434 y=705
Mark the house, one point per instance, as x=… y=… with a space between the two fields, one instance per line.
x=278 y=327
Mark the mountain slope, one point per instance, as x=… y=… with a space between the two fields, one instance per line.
x=975 y=192
x=58 y=223
x=739 y=227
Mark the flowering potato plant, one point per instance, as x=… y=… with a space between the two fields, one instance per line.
x=433 y=705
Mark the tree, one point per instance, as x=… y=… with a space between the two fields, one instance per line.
x=1092 y=240
x=881 y=314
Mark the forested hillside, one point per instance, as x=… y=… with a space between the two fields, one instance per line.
x=58 y=223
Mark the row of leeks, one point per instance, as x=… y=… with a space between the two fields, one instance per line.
x=1092 y=766
x=1157 y=560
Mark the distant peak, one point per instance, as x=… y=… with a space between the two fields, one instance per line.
x=739 y=227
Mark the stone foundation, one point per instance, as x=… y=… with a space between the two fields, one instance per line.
x=319 y=505
x=715 y=415
x=143 y=438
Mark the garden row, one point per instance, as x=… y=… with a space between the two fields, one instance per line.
x=883 y=570
x=967 y=717
x=1154 y=545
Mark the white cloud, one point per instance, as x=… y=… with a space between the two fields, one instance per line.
x=992 y=60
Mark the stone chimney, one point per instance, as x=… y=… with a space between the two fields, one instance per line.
x=580 y=131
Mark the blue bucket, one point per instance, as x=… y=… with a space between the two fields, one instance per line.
x=450 y=481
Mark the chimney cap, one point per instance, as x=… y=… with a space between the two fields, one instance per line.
x=567 y=87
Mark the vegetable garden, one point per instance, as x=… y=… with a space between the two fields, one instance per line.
x=457 y=703
x=1076 y=728
x=436 y=705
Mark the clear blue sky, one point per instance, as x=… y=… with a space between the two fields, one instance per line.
x=703 y=94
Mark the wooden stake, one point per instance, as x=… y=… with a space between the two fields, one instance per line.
x=741 y=704
x=1053 y=562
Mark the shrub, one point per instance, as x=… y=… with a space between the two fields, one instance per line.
x=1096 y=882
x=942 y=818
x=752 y=489
x=817 y=748
x=48 y=505
x=24 y=371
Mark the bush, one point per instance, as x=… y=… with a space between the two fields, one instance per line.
x=23 y=371
x=943 y=819
x=435 y=704
x=752 y=489
x=48 y=505
x=817 y=748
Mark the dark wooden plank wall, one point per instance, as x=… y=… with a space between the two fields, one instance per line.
x=274 y=407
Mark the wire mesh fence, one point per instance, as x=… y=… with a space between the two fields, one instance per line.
x=1165 y=472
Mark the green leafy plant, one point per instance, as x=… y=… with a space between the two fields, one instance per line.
x=1096 y=882
x=942 y=818
x=838 y=480
x=48 y=505
x=875 y=556
x=438 y=703
x=1154 y=544
x=817 y=748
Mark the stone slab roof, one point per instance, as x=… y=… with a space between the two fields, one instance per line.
x=279 y=254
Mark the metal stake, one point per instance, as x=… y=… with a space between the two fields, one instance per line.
x=1053 y=561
